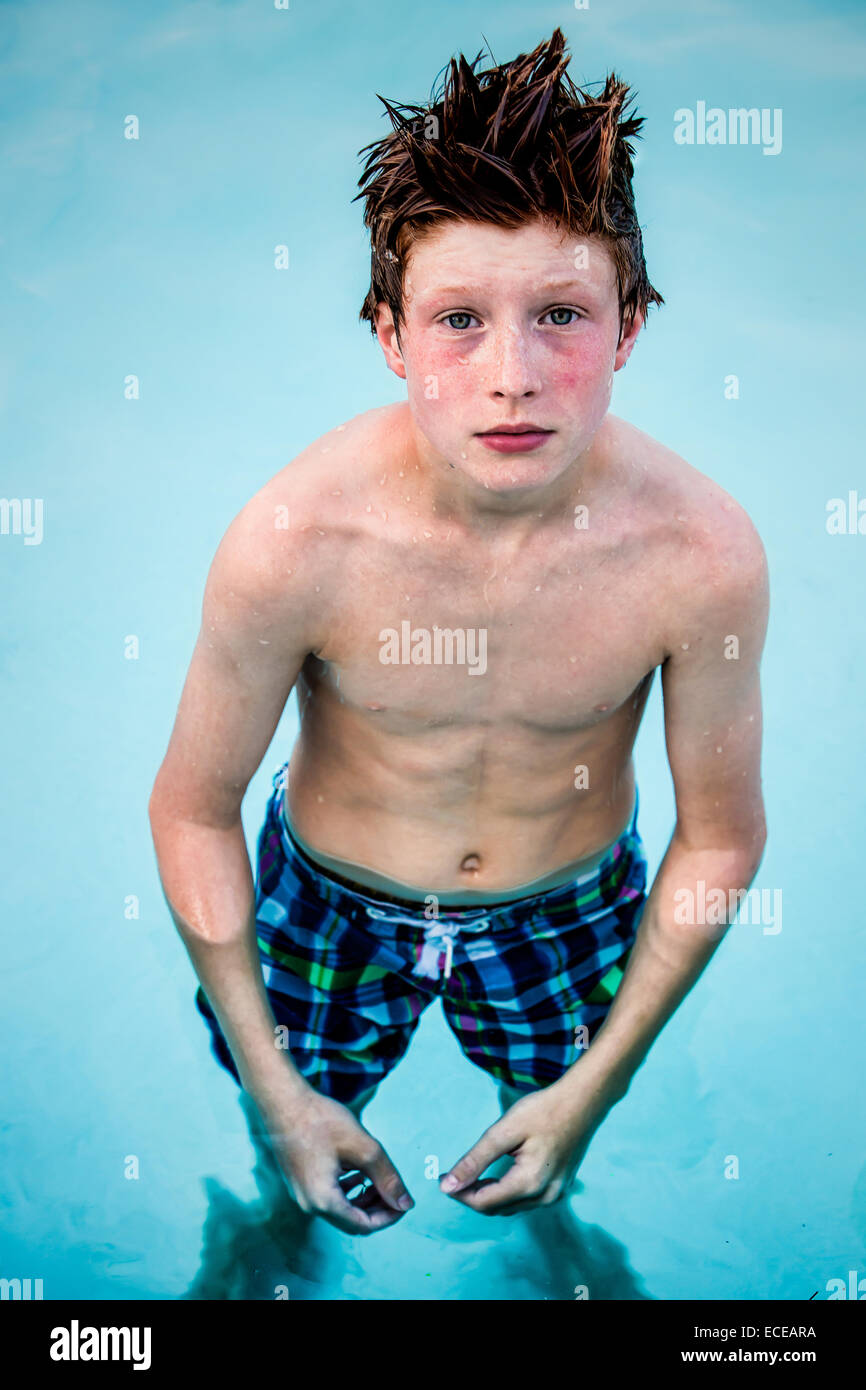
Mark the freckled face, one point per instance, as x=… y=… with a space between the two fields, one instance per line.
x=508 y=326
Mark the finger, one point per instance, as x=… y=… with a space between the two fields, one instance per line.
x=490 y=1195
x=378 y=1166
x=368 y=1200
x=358 y=1220
x=349 y=1181
x=360 y=1191
x=494 y=1143
x=525 y=1204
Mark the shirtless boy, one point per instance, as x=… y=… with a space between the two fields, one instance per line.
x=473 y=621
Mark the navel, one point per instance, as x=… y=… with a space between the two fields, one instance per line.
x=471 y=863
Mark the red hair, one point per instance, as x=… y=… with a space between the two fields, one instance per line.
x=514 y=142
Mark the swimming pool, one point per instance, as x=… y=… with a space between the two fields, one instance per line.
x=129 y=1171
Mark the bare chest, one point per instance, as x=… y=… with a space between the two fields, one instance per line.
x=553 y=640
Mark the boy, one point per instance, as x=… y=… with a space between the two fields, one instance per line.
x=472 y=591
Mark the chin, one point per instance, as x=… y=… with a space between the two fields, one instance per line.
x=511 y=472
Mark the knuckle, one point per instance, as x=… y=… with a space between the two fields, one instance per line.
x=319 y=1199
x=551 y=1195
x=370 y=1151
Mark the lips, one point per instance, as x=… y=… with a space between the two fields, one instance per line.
x=527 y=428
x=515 y=439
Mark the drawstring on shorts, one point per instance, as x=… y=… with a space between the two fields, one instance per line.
x=438 y=936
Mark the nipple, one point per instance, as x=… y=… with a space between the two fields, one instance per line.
x=471 y=863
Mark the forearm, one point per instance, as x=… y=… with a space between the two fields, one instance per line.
x=207 y=880
x=667 y=958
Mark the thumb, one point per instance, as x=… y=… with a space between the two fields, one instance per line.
x=493 y=1143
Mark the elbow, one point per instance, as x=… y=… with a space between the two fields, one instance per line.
x=158 y=804
x=756 y=855
x=740 y=855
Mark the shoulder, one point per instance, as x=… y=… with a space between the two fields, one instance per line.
x=687 y=506
x=709 y=559
x=294 y=529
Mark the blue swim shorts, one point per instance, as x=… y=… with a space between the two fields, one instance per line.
x=524 y=985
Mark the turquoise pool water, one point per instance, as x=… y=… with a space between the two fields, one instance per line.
x=128 y=1168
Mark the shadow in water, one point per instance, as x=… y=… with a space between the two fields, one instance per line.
x=262 y=1248
x=258 y=1250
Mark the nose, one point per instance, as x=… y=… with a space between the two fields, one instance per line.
x=514 y=372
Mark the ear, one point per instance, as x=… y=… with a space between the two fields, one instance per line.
x=386 y=332
x=628 y=338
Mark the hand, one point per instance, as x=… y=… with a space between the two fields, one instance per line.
x=324 y=1153
x=547 y=1133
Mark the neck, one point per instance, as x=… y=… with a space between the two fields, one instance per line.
x=510 y=513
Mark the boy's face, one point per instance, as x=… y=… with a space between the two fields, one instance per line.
x=507 y=326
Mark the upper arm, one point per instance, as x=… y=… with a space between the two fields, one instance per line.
x=712 y=692
x=258 y=623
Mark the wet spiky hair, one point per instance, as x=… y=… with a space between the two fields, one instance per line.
x=506 y=145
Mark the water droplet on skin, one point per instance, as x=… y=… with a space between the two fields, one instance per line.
x=462 y=455
x=340 y=427
x=337 y=493
x=428 y=534
x=685 y=646
x=320 y=798
x=320 y=532
x=263 y=643
x=718 y=750
x=368 y=507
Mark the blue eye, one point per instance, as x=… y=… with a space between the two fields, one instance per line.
x=563 y=310
x=460 y=314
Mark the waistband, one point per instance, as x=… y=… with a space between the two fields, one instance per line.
x=343 y=893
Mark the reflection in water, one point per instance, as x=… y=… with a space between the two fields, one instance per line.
x=267 y=1247
x=260 y=1249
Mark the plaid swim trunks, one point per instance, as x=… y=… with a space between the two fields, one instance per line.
x=524 y=985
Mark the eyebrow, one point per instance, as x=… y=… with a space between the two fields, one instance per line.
x=542 y=286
